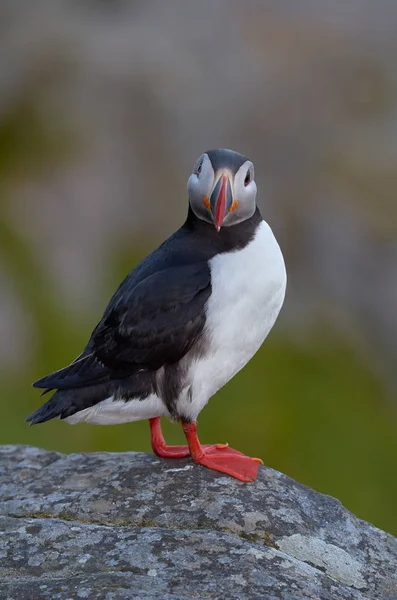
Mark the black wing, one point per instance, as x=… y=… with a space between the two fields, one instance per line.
x=148 y=325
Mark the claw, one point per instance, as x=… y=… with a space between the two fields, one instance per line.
x=221 y=446
x=258 y=460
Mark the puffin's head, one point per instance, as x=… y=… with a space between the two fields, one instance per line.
x=222 y=189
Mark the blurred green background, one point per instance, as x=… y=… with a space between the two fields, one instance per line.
x=104 y=110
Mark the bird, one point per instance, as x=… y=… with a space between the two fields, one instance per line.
x=183 y=322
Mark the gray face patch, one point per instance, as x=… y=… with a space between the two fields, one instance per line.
x=202 y=186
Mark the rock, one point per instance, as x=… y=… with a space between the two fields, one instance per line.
x=115 y=526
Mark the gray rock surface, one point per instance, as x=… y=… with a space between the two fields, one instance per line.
x=110 y=526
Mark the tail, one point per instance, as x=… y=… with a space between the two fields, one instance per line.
x=81 y=384
x=65 y=403
x=54 y=407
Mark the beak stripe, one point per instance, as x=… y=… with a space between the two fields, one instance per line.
x=221 y=204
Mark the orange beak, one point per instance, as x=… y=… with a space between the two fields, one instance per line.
x=221 y=200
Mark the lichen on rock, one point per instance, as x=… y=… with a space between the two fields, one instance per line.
x=130 y=525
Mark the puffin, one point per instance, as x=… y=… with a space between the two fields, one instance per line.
x=183 y=322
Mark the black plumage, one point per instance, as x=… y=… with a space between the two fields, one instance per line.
x=221 y=158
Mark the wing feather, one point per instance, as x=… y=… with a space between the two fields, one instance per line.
x=158 y=322
x=145 y=327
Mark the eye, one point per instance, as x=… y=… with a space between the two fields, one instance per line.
x=247 y=178
x=198 y=170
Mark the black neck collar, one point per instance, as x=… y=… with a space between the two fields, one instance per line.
x=234 y=237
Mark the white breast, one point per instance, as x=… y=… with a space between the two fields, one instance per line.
x=248 y=289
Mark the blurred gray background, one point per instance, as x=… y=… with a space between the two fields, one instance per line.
x=104 y=108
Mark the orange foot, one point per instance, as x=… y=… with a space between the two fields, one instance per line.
x=230 y=461
x=160 y=447
x=220 y=457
